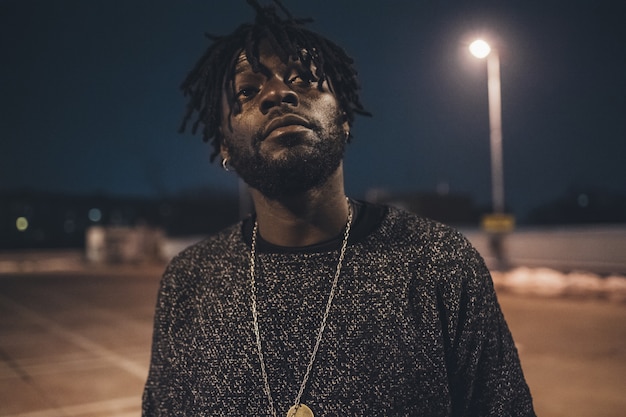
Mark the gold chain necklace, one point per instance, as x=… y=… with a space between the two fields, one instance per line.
x=298 y=409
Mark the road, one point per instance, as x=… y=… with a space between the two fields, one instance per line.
x=76 y=344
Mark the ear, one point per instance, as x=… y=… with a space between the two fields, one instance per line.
x=346 y=126
x=219 y=136
x=224 y=152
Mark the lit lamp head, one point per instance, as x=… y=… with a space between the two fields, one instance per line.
x=479 y=48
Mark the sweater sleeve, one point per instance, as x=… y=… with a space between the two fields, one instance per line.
x=485 y=373
x=164 y=390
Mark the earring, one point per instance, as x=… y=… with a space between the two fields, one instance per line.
x=347 y=134
x=225 y=165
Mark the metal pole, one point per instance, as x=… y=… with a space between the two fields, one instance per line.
x=495 y=131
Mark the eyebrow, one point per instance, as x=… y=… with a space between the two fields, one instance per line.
x=242 y=64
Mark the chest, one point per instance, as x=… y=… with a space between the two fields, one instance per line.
x=376 y=347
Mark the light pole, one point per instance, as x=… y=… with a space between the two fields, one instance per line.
x=481 y=49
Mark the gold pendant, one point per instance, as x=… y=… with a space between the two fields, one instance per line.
x=299 y=410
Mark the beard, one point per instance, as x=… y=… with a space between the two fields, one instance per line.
x=299 y=169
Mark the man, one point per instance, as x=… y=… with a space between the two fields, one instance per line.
x=317 y=304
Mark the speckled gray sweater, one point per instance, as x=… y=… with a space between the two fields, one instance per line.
x=414 y=330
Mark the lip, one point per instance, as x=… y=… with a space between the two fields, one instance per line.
x=283 y=121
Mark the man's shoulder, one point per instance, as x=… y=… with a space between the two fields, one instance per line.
x=404 y=225
x=434 y=243
x=440 y=252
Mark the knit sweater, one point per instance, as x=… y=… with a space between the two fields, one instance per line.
x=415 y=329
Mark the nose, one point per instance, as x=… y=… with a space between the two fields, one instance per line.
x=276 y=93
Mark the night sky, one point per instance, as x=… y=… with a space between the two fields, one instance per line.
x=90 y=99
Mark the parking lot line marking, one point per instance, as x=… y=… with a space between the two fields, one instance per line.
x=116 y=407
x=81 y=341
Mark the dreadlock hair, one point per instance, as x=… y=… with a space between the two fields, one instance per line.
x=289 y=39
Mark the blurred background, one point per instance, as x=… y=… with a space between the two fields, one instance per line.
x=91 y=111
x=98 y=189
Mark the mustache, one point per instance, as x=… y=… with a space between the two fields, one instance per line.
x=291 y=116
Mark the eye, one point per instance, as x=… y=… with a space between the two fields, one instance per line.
x=246 y=92
x=302 y=79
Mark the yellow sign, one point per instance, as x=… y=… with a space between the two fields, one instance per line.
x=498 y=223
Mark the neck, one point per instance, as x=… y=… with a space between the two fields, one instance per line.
x=304 y=219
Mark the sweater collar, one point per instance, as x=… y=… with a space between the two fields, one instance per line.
x=368 y=218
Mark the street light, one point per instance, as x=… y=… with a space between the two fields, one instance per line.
x=498 y=223
x=481 y=49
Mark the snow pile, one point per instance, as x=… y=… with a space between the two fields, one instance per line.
x=551 y=283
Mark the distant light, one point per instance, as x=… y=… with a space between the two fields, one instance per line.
x=583 y=200
x=479 y=48
x=95 y=215
x=21 y=224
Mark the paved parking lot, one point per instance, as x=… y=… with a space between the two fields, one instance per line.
x=76 y=344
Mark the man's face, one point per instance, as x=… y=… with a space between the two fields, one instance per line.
x=286 y=136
